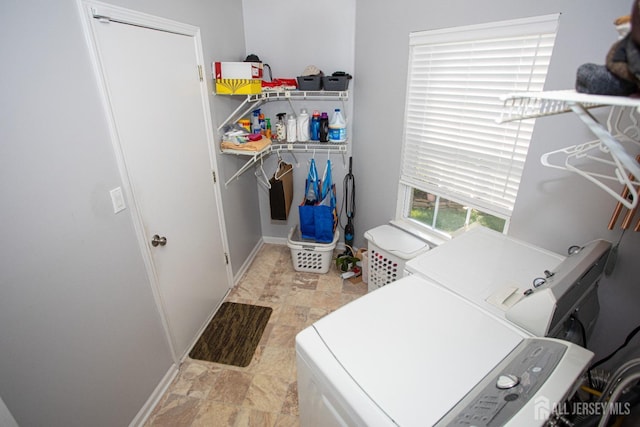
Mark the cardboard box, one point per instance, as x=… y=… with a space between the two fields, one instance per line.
x=238 y=78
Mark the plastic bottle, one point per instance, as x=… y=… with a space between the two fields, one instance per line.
x=315 y=126
x=268 y=128
x=263 y=126
x=255 y=122
x=281 y=128
x=324 y=128
x=303 y=126
x=337 y=127
x=291 y=128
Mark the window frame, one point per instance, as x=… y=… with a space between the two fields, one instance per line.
x=547 y=24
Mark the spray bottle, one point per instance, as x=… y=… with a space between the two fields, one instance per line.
x=281 y=128
x=268 y=128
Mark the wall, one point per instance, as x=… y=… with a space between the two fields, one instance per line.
x=289 y=40
x=554 y=209
x=81 y=337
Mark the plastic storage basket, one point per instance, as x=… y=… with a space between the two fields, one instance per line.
x=389 y=248
x=309 y=256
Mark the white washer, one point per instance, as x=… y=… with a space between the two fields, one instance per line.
x=408 y=354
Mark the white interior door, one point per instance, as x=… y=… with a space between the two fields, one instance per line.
x=156 y=99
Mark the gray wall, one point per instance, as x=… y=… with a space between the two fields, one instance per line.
x=288 y=49
x=81 y=337
x=554 y=209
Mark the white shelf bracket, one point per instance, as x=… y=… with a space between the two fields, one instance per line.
x=253 y=160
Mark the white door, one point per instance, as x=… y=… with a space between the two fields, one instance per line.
x=156 y=98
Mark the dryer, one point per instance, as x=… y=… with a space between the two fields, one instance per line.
x=543 y=292
x=414 y=353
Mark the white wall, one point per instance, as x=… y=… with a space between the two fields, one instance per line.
x=81 y=338
x=554 y=209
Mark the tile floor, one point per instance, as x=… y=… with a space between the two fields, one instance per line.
x=265 y=392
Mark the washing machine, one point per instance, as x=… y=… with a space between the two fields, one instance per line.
x=414 y=353
x=543 y=292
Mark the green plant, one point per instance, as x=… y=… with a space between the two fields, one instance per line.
x=345 y=262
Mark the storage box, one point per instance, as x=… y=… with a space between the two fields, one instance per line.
x=335 y=82
x=389 y=249
x=238 y=78
x=309 y=82
x=309 y=256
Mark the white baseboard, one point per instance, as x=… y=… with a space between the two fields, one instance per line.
x=155 y=397
x=247 y=262
x=275 y=240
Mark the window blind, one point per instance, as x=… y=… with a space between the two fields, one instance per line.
x=452 y=144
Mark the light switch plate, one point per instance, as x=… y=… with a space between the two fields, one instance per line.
x=117 y=199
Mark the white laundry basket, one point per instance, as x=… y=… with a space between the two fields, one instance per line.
x=389 y=248
x=309 y=256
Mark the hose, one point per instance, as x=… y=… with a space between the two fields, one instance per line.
x=617 y=391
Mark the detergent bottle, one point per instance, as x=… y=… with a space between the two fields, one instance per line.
x=337 y=127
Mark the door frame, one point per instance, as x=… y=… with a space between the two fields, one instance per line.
x=92 y=12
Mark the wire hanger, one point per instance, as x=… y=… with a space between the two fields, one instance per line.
x=622 y=167
x=261 y=176
x=279 y=168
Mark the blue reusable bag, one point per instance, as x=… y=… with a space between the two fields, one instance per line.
x=309 y=202
x=325 y=215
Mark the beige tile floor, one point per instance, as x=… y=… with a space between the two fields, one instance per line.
x=265 y=392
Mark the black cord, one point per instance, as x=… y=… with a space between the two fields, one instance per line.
x=626 y=342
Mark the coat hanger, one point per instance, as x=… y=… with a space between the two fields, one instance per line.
x=261 y=176
x=607 y=152
x=618 y=172
x=279 y=167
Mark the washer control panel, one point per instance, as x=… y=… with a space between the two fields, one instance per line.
x=508 y=387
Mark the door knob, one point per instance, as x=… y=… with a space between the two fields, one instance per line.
x=157 y=240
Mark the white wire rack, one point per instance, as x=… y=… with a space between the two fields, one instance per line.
x=612 y=139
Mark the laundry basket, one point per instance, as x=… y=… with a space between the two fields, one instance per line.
x=310 y=256
x=389 y=248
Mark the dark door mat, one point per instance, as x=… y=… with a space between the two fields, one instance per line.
x=232 y=335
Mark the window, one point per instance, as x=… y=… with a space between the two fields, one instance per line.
x=459 y=165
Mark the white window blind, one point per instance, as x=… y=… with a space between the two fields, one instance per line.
x=452 y=144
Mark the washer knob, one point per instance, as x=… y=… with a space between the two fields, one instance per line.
x=506 y=382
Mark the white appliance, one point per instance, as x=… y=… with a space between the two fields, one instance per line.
x=538 y=290
x=414 y=353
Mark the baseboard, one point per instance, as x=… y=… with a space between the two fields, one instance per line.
x=155 y=397
x=247 y=262
x=275 y=240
